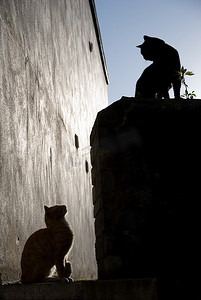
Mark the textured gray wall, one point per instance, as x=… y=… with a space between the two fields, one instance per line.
x=52 y=87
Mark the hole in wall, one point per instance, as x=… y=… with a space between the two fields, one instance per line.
x=86 y=166
x=90 y=46
x=76 y=141
x=17 y=240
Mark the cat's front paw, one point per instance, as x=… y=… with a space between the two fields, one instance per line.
x=70 y=279
x=66 y=280
x=68 y=269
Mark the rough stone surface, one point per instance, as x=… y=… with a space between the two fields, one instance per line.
x=146 y=158
x=140 y=289
x=52 y=85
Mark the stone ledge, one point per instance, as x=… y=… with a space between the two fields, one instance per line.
x=114 y=114
x=135 y=289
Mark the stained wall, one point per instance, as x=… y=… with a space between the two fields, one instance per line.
x=52 y=84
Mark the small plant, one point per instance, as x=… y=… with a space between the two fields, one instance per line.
x=183 y=72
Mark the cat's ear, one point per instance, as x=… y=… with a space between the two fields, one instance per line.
x=46 y=209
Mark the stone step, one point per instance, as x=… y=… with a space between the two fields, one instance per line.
x=131 y=289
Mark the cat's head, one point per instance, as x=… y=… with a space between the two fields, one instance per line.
x=151 y=47
x=55 y=212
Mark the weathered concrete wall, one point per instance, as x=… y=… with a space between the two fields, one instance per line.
x=52 y=87
x=146 y=158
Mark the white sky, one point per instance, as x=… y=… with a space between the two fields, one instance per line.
x=123 y=24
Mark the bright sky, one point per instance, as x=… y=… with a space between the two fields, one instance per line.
x=123 y=23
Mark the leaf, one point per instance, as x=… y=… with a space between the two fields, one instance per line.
x=189 y=73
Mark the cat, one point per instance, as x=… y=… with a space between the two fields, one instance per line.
x=162 y=74
x=47 y=247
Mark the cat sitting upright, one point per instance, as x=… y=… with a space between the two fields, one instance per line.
x=162 y=74
x=47 y=247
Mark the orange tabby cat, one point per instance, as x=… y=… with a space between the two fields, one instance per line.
x=47 y=247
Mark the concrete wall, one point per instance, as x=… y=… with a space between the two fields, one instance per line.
x=146 y=158
x=52 y=87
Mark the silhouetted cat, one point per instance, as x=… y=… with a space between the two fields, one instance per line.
x=47 y=247
x=162 y=74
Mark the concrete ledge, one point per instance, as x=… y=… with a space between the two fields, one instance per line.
x=135 y=289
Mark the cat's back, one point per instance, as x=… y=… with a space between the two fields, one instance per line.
x=39 y=243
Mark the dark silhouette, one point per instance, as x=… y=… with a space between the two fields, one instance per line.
x=162 y=74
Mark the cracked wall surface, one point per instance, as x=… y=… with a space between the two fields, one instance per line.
x=52 y=85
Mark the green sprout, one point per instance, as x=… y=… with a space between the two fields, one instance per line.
x=183 y=72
